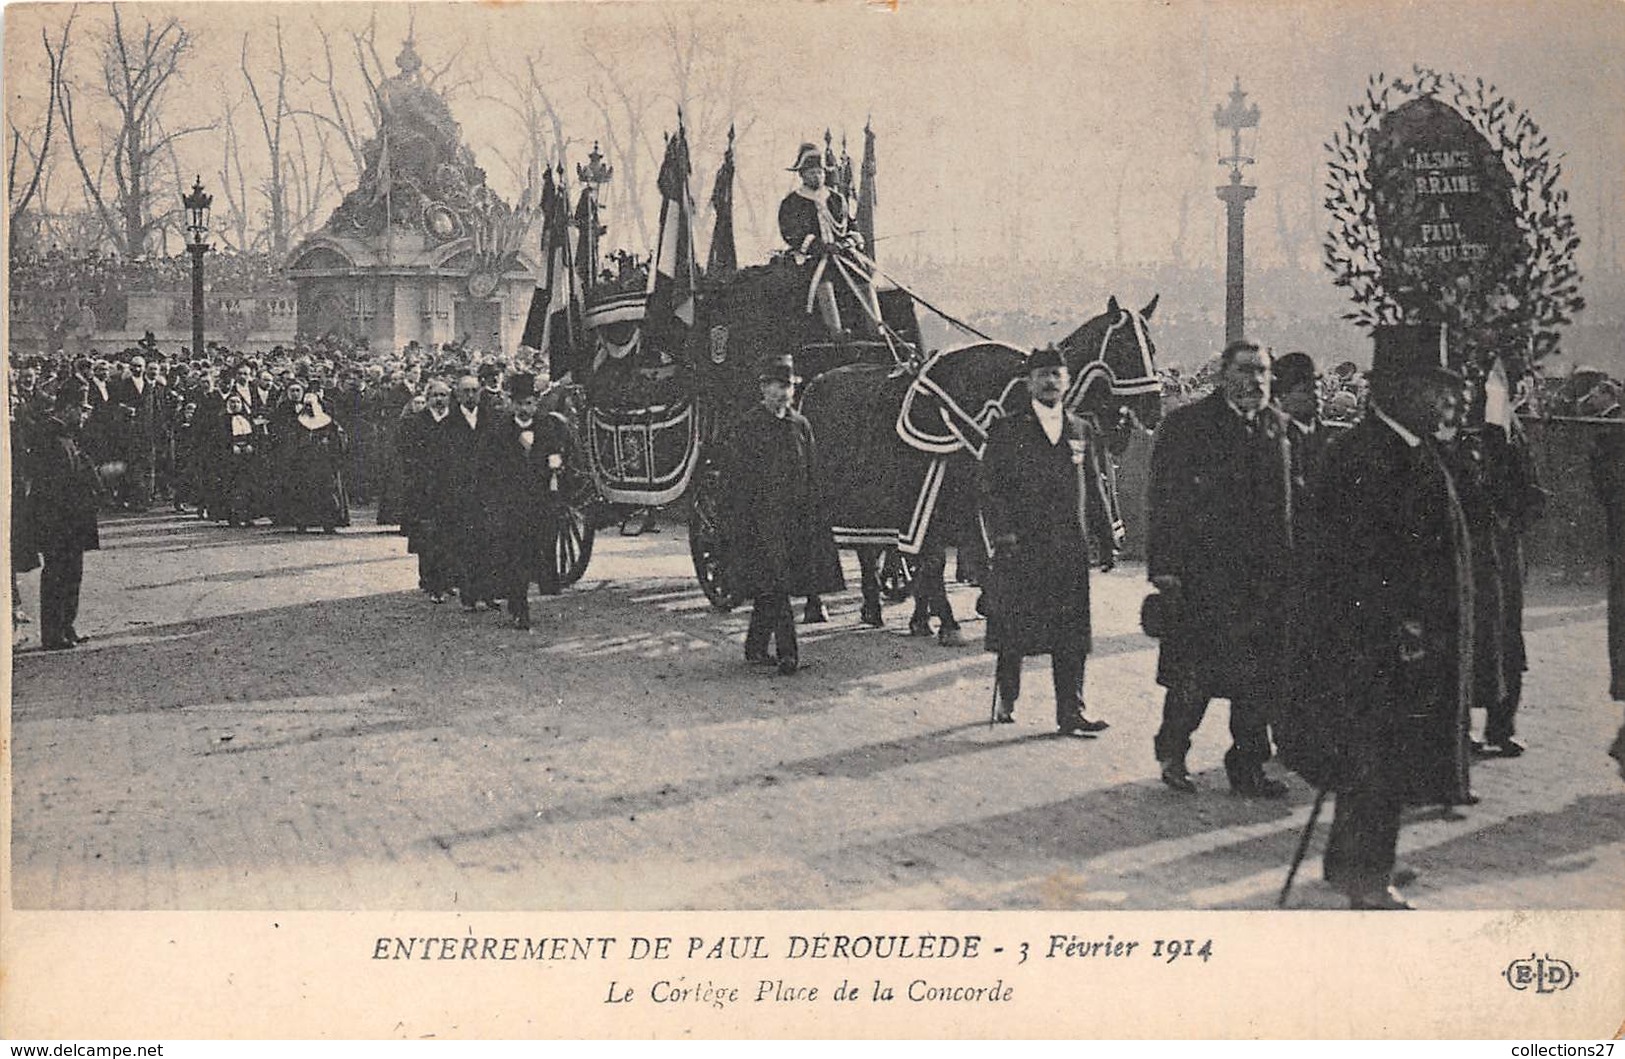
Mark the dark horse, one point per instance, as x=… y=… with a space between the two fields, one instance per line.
x=898 y=452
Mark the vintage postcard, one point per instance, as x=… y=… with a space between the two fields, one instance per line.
x=527 y=519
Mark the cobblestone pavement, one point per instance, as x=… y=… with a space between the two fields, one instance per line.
x=271 y=721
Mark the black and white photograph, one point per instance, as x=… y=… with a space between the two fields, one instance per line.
x=1045 y=466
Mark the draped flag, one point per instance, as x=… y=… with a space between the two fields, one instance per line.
x=674 y=280
x=555 y=308
x=866 y=195
x=723 y=259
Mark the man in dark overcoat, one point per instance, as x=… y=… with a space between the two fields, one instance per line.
x=1219 y=546
x=144 y=400
x=1043 y=495
x=1517 y=502
x=1608 y=476
x=63 y=498
x=1386 y=725
x=522 y=464
x=776 y=533
x=427 y=530
x=458 y=499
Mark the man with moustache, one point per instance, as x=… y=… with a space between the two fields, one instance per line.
x=1219 y=547
x=1042 y=497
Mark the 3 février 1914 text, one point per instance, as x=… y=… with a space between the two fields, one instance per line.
x=946 y=955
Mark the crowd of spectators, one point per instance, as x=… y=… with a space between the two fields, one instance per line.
x=94 y=272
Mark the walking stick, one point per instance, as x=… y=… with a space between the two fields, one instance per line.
x=1303 y=846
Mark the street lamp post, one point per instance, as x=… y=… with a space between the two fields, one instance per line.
x=594 y=175
x=1235 y=118
x=197 y=230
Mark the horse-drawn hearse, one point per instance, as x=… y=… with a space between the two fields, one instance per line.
x=662 y=360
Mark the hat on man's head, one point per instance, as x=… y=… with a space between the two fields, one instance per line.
x=1042 y=359
x=1238 y=345
x=781 y=368
x=488 y=371
x=1294 y=369
x=807 y=154
x=521 y=386
x=1411 y=351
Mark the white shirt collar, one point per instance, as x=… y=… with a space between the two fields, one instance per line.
x=1406 y=436
x=472 y=415
x=1245 y=418
x=437 y=417
x=1050 y=418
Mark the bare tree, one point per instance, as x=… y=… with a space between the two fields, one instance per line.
x=622 y=106
x=273 y=113
x=527 y=97
x=39 y=155
x=137 y=70
x=233 y=181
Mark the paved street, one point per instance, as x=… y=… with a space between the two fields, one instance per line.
x=271 y=721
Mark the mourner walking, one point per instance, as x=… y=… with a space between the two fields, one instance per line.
x=1219 y=549
x=1042 y=500
x=778 y=538
x=1386 y=724
x=522 y=464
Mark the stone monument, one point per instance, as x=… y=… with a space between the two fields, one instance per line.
x=422 y=249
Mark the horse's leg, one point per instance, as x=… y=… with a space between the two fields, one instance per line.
x=933 y=586
x=927 y=566
x=869 y=566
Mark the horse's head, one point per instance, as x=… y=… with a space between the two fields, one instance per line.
x=1113 y=364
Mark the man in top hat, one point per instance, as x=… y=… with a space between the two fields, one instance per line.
x=492 y=400
x=1387 y=723
x=812 y=220
x=1219 y=547
x=1043 y=496
x=522 y=464
x=776 y=532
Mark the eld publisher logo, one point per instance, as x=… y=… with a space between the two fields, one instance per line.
x=1541 y=974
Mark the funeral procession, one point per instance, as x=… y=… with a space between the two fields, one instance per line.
x=662 y=456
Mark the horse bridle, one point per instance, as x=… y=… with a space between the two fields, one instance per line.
x=1145 y=384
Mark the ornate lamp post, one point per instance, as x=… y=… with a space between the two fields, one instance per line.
x=197 y=230
x=592 y=176
x=1236 y=117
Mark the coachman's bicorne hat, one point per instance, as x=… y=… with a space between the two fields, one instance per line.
x=778 y=369
x=1041 y=359
x=807 y=154
x=1412 y=351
